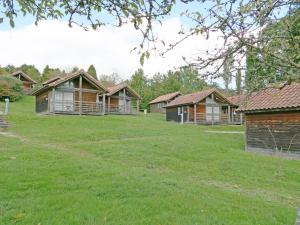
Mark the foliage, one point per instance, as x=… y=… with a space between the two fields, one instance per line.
x=92 y=71
x=238 y=81
x=110 y=80
x=10 y=86
x=262 y=68
x=227 y=67
x=49 y=73
x=137 y=170
x=30 y=70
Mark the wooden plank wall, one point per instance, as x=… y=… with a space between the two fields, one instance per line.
x=271 y=131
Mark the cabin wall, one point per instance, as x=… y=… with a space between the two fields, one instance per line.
x=155 y=109
x=271 y=131
x=42 y=102
x=172 y=114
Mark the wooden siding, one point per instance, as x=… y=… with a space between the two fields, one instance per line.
x=42 y=102
x=172 y=114
x=154 y=108
x=273 y=131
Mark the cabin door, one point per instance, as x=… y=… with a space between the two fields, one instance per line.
x=212 y=113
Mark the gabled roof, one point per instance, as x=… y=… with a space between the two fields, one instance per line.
x=114 y=89
x=69 y=77
x=165 y=98
x=51 y=80
x=196 y=97
x=286 y=97
x=23 y=75
x=237 y=99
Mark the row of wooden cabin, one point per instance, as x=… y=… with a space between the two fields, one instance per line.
x=271 y=116
x=80 y=93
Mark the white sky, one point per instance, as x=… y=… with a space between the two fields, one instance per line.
x=108 y=48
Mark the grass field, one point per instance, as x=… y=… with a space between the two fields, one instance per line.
x=137 y=170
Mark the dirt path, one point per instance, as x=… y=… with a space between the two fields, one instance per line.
x=224 y=132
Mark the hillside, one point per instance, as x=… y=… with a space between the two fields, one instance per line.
x=137 y=170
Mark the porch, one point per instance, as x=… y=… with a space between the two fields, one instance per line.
x=210 y=114
x=122 y=104
x=76 y=107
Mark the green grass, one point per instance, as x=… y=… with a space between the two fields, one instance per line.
x=137 y=170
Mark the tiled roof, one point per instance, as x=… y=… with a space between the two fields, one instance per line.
x=165 y=98
x=51 y=80
x=24 y=75
x=196 y=97
x=237 y=99
x=114 y=89
x=284 y=97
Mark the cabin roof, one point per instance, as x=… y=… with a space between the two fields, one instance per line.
x=237 y=99
x=284 y=97
x=165 y=98
x=69 y=77
x=196 y=97
x=23 y=75
x=51 y=80
x=116 y=88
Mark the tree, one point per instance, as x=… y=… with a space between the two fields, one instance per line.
x=238 y=81
x=49 y=73
x=110 y=80
x=227 y=75
x=92 y=71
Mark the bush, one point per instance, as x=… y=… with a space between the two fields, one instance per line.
x=10 y=86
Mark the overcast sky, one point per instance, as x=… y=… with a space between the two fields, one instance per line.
x=109 y=48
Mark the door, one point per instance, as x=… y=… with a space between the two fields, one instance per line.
x=212 y=113
x=63 y=101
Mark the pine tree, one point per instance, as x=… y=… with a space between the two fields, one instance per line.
x=92 y=71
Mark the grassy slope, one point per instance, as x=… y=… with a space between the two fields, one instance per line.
x=137 y=170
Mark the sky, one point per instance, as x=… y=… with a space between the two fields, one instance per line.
x=109 y=48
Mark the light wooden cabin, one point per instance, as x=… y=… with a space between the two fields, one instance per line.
x=203 y=107
x=122 y=99
x=158 y=105
x=27 y=82
x=76 y=93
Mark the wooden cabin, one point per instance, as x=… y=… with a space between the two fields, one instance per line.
x=158 y=105
x=203 y=107
x=76 y=93
x=272 y=119
x=27 y=82
x=122 y=99
x=237 y=100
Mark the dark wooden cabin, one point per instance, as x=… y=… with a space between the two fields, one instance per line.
x=158 y=105
x=76 y=93
x=122 y=99
x=272 y=119
x=27 y=82
x=203 y=107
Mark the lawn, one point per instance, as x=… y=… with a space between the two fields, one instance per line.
x=137 y=170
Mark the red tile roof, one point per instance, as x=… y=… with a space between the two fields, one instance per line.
x=165 y=98
x=284 y=97
x=196 y=97
x=237 y=99
x=114 y=89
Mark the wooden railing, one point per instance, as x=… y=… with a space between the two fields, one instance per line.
x=121 y=109
x=222 y=118
x=77 y=107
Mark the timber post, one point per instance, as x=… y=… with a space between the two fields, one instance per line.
x=103 y=103
x=124 y=97
x=80 y=94
x=108 y=103
x=229 y=115
x=195 y=112
x=53 y=100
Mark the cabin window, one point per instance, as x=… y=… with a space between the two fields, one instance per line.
x=68 y=84
x=160 y=105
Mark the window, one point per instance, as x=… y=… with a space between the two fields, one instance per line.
x=160 y=105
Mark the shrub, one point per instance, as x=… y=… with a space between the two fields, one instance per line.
x=10 y=86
